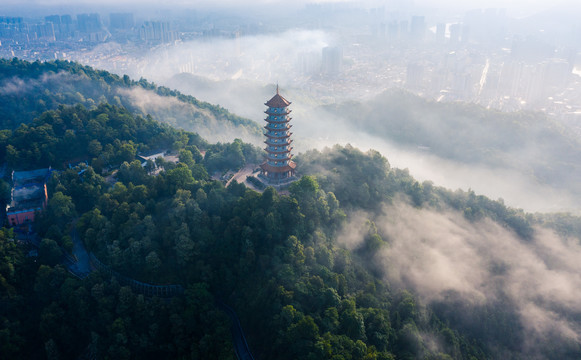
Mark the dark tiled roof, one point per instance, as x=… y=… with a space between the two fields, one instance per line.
x=21 y=178
x=291 y=166
x=29 y=191
x=277 y=101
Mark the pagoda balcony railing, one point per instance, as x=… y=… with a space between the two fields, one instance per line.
x=274 y=143
x=279 y=151
x=281 y=162
x=282 y=136
x=285 y=157
x=288 y=111
x=285 y=120
x=287 y=143
x=268 y=127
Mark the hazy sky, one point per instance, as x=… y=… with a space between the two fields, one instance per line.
x=512 y=5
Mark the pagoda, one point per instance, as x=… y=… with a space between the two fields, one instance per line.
x=278 y=169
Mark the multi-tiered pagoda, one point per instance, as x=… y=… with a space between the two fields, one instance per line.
x=278 y=169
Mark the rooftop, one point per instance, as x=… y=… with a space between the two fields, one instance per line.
x=21 y=178
x=277 y=101
x=29 y=190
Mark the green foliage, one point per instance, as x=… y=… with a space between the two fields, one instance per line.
x=49 y=252
x=33 y=88
x=231 y=156
x=273 y=257
x=357 y=179
x=71 y=134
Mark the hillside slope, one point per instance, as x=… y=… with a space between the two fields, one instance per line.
x=28 y=89
x=358 y=260
x=530 y=143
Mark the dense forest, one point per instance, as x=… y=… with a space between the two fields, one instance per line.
x=29 y=89
x=305 y=282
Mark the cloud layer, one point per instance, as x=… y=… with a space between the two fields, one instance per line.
x=443 y=257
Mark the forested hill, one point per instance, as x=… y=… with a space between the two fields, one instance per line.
x=530 y=143
x=357 y=261
x=28 y=89
x=107 y=136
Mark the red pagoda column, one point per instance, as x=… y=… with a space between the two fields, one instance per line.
x=278 y=167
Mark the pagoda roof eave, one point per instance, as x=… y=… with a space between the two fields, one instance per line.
x=286 y=143
x=278 y=169
x=287 y=111
x=287 y=158
x=277 y=101
x=277 y=121
x=278 y=151
x=277 y=136
x=279 y=129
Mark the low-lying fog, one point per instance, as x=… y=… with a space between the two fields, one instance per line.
x=240 y=74
x=445 y=258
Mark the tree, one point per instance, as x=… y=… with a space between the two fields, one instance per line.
x=184 y=245
x=94 y=148
x=301 y=337
x=179 y=178
x=49 y=252
x=5 y=191
x=153 y=263
x=187 y=158
x=60 y=210
x=306 y=186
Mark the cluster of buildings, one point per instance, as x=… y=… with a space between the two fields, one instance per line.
x=58 y=36
x=29 y=196
x=481 y=56
x=477 y=59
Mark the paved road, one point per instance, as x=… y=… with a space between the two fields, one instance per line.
x=238 y=338
x=240 y=176
x=79 y=264
x=81 y=267
x=80 y=252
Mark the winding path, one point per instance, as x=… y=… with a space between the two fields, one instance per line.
x=240 y=345
x=85 y=263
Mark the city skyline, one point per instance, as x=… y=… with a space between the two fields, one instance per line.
x=329 y=54
x=515 y=7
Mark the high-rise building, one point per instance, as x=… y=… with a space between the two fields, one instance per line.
x=88 y=23
x=440 y=32
x=44 y=32
x=278 y=169
x=121 y=21
x=455 y=30
x=157 y=32
x=393 y=31
x=66 y=20
x=404 y=31
x=332 y=60
x=55 y=19
x=418 y=28
x=510 y=78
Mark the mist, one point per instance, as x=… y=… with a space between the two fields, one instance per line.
x=337 y=62
x=444 y=257
x=185 y=116
x=16 y=86
x=323 y=53
x=240 y=73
